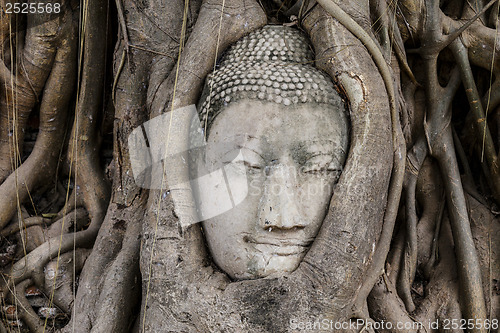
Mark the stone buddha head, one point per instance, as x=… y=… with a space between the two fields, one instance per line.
x=288 y=126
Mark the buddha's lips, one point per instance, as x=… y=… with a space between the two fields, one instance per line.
x=279 y=246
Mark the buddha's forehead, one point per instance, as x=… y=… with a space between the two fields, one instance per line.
x=273 y=127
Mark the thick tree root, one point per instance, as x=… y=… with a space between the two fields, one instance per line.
x=415 y=159
x=439 y=136
x=23 y=79
x=25 y=311
x=60 y=278
x=398 y=142
x=53 y=114
x=384 y=304
x=487 y=147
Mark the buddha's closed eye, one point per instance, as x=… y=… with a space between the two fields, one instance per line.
x=322 y=167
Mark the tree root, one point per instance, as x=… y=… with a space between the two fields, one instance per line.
x=483 y=132
x=117 y=290
x=33 y=264
x=60 y=277
x=53 y=111
x=440 y=138
x=398 y=142
x=442 y=291
x=24 y=310
x=408 y=268
x=85 y=138
x=385 y=305
x=71 y=219
x=109 y=285
x=34 y=236
x=24 y=80
x=431 y=198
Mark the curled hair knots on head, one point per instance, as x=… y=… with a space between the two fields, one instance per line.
x=271 y=64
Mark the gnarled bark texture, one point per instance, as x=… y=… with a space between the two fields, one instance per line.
x=86 y=249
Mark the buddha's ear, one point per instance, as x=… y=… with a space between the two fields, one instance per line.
x=345 y=245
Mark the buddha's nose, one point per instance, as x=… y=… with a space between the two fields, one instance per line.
x=279 y=207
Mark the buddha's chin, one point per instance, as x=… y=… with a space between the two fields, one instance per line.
x=262 y=265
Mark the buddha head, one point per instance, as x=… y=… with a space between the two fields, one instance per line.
x=287 y=125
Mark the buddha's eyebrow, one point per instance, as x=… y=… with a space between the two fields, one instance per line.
x=318 y=146
x=334 y=151
x=242 y=135
x=318 y=141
